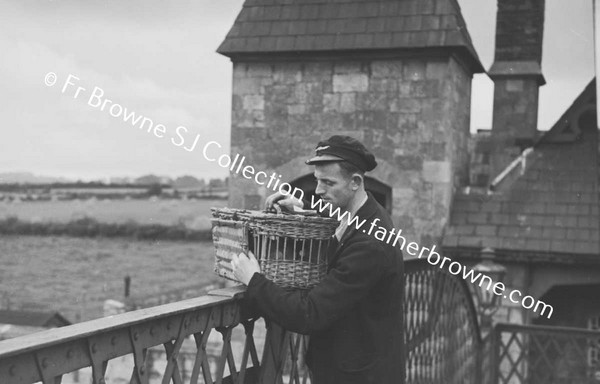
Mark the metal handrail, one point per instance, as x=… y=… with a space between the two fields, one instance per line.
x=543 y=354
x=439 y=317
x=46 y=356
x=56 y=336
x=507 y=327
x=412 y=266
x=443 y=341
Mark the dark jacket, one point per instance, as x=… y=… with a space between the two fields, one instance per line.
x=354 y=316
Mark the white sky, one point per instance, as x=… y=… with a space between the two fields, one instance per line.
x=158 y=59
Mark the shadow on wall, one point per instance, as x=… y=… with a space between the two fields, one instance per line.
x=381 y=191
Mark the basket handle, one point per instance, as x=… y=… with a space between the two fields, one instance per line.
x=282 y=210
x=276 y=209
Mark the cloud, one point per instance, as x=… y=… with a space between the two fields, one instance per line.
x=61 y=132
x=159 y=59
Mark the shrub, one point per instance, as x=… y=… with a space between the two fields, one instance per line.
x=89 y=227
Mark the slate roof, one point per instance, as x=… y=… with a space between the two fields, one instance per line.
x=33 y=319
x=552 y=207
x=276 y=26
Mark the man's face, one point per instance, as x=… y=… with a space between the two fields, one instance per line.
x=333 y=186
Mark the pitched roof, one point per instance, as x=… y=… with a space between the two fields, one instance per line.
x=552 y=207
x=33 y=319
x=277 y=26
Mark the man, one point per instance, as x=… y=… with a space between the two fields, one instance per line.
x=354 y=315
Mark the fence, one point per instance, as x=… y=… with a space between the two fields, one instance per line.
x=441 y=333
x=529 y=354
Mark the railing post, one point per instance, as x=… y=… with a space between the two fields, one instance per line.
x=479 y=361
x=485 y=359
x=496 y=334
x=272 y=354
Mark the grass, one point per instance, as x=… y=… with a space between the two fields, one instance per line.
x=150 y=219
x=76 y=275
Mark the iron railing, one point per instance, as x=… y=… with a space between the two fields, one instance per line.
x=529 y=354
x=442 y=335
x=441 y=332
x=48 y=355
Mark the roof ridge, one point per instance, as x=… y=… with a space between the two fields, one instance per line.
x=544 y=137
x=589 y=88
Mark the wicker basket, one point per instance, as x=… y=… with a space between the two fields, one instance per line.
x=291 y=249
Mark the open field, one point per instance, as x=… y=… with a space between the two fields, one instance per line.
x=75 y=275
x=194 y=214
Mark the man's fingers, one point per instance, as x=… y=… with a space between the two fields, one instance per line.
x=242 y=257
x=290 y=203
x=273 y=199
x=269 y=202
x=252 y=257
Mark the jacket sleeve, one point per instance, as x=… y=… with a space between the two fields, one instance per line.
x=357 y=269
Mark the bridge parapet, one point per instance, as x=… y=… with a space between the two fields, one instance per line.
x=441 y=332
x=48 y=355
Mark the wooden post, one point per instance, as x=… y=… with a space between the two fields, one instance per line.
x=127 y=285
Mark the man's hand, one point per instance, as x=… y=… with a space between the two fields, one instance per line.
x=286 y=201
x=244 y=267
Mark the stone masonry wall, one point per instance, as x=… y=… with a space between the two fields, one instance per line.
x=519 y=40
x=412 y=113
x=515 y=117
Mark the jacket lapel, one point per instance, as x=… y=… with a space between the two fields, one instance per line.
x=365 y=212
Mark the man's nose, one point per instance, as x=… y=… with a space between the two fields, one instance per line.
x=319 y=190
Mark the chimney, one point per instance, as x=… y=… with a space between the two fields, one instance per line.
x=517 y=76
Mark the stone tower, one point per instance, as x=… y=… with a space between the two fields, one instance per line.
x=395 y=74
x=517 y=76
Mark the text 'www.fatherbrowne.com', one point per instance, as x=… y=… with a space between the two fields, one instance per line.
x=394 y=236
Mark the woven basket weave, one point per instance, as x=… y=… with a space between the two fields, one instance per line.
x=291 y=249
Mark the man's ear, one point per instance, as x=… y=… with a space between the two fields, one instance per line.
x=357 y=181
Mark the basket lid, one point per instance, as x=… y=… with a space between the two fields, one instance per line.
x=253 y=215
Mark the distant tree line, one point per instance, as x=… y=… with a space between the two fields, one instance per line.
x=89 y=227
x=142 y=181
x=139 y=188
